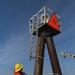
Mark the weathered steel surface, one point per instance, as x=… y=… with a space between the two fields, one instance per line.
x=39 y=58
x=53 y=56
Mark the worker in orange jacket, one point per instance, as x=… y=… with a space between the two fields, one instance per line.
x=18 y=69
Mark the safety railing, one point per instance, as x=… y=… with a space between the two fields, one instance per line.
x=42 y=17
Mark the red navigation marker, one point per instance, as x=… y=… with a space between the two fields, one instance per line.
x=53 y=22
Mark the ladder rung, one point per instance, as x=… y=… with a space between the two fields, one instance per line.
x=32 y=57
x=32 y=51
x=32 y=47
x=32 y=37
x=32 y=41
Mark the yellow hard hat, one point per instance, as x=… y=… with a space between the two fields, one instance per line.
x=18 y=67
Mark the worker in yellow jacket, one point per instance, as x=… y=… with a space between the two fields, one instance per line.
x=18 y=69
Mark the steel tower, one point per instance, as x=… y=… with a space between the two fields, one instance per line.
x=43 y=26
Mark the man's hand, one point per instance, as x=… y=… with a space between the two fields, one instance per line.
x=24 y=73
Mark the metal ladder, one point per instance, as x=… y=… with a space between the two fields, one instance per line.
x=32 y=46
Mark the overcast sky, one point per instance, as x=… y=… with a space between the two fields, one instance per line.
x=15 y=36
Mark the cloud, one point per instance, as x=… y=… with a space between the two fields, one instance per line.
x=14 y=50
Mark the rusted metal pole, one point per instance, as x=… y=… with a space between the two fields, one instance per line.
x=39 y=57
x=53 y=56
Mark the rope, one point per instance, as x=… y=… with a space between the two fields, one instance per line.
x=63 y=66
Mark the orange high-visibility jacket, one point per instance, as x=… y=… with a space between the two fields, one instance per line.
x=17 y=73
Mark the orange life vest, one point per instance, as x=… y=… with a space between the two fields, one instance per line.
x=17 y=73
